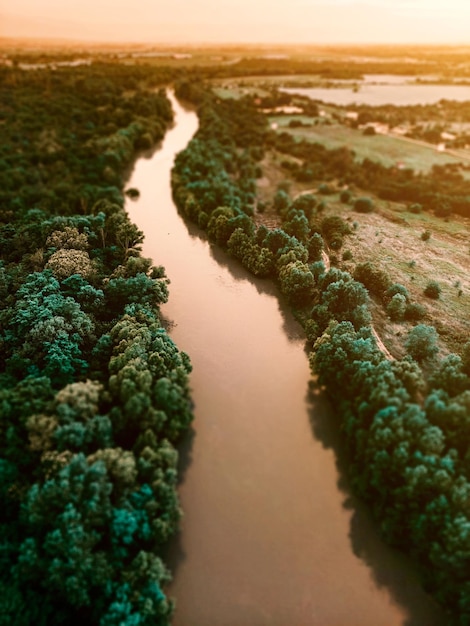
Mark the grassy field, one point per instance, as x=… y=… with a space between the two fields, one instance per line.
x=236 y=92
x=386 y=149
x=390 y=238
x=398 y=249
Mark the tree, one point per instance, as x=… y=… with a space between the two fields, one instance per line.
x=297 y=282
x=345 y=300
x=69 y=239
x=281 y=201
x=48 y=330
x=396 y=307
x=414 y=312
x=375 y=279
x=421 y=343
x=296 y=225
x=306 y=202
x=66 y=262
x=315 y=247
x=397 y=288
x=450 y=376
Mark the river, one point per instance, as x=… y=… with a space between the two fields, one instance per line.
x=271 y=535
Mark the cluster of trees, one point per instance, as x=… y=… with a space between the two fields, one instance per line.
x=94 y=394
x=338 y=65
x=406 y=433
x=408 y=449
x=69 y=134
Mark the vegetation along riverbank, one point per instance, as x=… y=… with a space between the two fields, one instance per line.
x=404 y=418
x=94 y=393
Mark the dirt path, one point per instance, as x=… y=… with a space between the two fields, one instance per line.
x=381 y=346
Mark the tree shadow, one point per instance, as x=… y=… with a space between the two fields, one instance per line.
x=264 y=286
x=390 y=569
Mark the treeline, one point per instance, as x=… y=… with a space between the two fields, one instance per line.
x=407 y=434
x=326 y=66
x=94 y=394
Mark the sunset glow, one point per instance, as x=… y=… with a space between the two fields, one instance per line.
x=244 y=21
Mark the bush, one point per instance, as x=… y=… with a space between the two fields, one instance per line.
x=345 y=196
x=397 y=288
x=432 y=290
x=396 y=307
x=414 y=312
x=415 y=208
x=426 y=236
x=325 y=189
x=422 y=342
x=364 y=205
x=376 y=280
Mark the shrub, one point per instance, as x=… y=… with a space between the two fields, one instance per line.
x=414 y=312
x=376 y=280
x=363 y=205
x=426 y=236
x=345 y=196
x=398 y=288
x=325 y=189
x=432 y=290
x=396 y=307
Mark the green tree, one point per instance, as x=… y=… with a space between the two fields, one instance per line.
x=421 y=342
x=396 y=307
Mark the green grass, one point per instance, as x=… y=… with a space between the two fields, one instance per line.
x=385 y=149
x=236 y=92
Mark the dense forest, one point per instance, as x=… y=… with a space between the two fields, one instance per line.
x=94 y=394
x=405 y=421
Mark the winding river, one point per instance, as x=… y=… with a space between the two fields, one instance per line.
x=271 y=535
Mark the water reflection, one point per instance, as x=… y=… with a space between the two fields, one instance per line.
x=264 y=286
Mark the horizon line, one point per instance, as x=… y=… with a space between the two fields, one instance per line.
x=230 y=44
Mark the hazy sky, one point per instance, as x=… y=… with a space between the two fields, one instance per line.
x=231 y=21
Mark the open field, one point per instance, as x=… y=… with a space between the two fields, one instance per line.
x=236 y=92
x=389 y=150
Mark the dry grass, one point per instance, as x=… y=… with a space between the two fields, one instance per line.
x=390 y=237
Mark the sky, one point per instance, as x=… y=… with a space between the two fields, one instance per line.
x=240 y=21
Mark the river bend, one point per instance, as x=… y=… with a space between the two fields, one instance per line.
x=271 y=535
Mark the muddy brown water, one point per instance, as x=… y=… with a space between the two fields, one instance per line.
x=270 y=535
